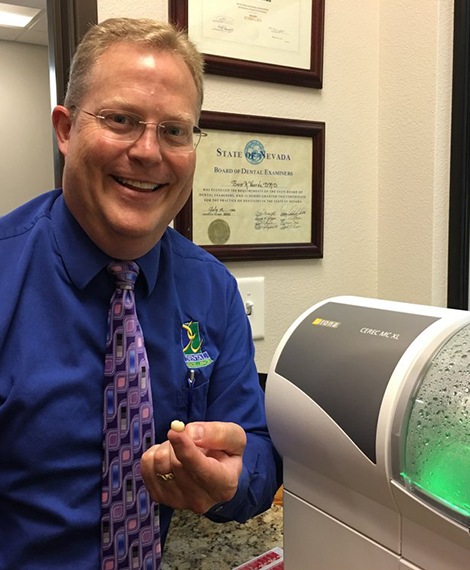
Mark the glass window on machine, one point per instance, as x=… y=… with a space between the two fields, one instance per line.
x=436 y=457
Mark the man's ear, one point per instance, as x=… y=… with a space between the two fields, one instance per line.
x=62 y=123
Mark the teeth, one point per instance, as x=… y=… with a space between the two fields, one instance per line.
x=138 y=184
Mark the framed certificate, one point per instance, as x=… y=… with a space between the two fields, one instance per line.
x=258 y=188
x=268 y=40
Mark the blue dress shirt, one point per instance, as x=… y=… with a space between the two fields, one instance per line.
x=54 y=298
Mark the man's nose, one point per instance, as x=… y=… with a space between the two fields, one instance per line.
x=148 y=145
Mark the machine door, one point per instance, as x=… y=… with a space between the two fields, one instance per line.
x=435 y=453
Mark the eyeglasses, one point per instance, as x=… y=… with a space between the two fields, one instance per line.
x=173 y=136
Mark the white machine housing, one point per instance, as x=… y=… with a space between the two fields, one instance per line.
x=339 y=394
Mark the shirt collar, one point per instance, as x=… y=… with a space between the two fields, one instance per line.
x=82 y=259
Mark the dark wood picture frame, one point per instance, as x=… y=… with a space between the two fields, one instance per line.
x=275 y=126
x=232 y=67
x=68 y=20
x=459 y=207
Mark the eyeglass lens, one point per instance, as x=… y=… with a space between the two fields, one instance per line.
x=177 y=136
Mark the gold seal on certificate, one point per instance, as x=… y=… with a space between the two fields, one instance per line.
x=218 y=232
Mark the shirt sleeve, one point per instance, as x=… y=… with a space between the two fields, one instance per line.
x=237 y=396
x=260 y=479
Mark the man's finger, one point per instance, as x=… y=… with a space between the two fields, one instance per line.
x=223 y=436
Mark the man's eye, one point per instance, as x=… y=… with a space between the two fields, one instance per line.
x=120 y=120
x=174 y=130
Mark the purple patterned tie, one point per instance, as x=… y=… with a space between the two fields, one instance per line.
x=130 y=530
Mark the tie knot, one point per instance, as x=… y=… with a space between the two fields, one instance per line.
x=124 y=273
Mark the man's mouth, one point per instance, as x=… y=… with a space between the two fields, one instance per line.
x=138 y=184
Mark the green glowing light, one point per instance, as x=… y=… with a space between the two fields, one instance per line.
x=443 y=473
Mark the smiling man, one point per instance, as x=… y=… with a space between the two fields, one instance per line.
x=125 y=192
x=90 y=470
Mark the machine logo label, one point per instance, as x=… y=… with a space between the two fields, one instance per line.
x=324 y=323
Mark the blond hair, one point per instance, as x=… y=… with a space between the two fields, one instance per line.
x=159 y=35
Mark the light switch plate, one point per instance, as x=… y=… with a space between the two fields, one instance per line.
x=252 y=292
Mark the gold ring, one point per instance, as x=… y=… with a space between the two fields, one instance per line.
x=166 y=476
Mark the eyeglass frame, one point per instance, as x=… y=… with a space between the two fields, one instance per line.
x=196 y=130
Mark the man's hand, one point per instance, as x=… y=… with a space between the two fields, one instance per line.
x=206 y=461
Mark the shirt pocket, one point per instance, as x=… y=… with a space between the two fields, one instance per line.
x=192 y=397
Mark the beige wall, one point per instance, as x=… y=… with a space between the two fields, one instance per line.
x=414 y=146
x=26 y=163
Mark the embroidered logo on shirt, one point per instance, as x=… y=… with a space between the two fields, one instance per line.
x=192 y=342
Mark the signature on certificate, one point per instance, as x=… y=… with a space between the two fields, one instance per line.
x=266 y=220
x=223 y=24
x=291 y=218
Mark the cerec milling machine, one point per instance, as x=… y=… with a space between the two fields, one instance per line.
x=368 y=402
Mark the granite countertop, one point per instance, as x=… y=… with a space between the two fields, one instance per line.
x=196 y=543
